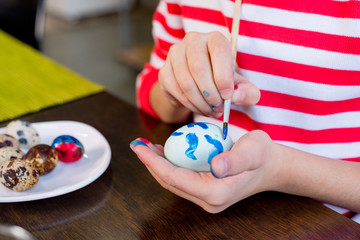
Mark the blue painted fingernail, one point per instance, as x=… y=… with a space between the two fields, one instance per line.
x=216 y=106
x=137 y=142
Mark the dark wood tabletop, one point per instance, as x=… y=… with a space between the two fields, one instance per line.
x=127 y=203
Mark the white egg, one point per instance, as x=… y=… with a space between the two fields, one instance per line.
x=194 y=145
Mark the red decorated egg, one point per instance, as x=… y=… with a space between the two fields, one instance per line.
x=69 y=148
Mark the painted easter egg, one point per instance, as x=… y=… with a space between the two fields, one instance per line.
x=194 y=145
x=68 y=147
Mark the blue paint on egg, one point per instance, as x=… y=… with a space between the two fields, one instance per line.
x=217 y=144
x=193 y=146
x=193 y=142
x=200 y=124
x=177 y=134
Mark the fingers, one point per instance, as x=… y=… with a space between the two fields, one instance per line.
x=190 y=80
x=198 y=75
x=178 y=84
x=199 y=59
x=173 y=176
x=171 y=89
x=212 y=205
x=201 y=188
x=158 y=149
x=150 y=155
x=221 y=59
x=193 y=73
x=248 y=153
x=245 y=93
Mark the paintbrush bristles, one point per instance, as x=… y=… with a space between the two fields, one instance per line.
x=225 y=130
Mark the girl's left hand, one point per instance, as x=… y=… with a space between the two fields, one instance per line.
x=248 y=168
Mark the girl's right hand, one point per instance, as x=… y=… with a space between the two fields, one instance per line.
x=198 y=75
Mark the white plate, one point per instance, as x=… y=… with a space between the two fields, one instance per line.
x=66 y=177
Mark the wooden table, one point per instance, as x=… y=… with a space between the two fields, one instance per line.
x=127 y=203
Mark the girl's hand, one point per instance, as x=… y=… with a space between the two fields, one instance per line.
x=249 y=168
x=198 y=75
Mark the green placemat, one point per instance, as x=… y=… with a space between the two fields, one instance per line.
x=30 y=82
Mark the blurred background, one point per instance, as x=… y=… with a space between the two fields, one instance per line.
x=105 y=41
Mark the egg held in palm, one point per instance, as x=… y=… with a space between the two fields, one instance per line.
x=194 y=145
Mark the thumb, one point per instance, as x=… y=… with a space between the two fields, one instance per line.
x=245 y=155
x=226 y=164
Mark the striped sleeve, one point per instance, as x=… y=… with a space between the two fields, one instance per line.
x=167 y=30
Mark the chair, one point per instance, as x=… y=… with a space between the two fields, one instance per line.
x=135 y=34
x=23 y=19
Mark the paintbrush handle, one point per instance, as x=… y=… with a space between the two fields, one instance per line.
x=235 y=31
x=234 y=35
x=227 y=104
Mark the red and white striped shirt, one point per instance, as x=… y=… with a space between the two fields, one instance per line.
x=303 y=55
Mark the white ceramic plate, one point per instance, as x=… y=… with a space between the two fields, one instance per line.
x=66 y=177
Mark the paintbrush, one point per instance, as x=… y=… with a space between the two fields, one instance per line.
x=234 y=36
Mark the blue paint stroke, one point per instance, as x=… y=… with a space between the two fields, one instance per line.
x=200 y=124
x=175 y=134
x=217 y=144
x=193 y=142
x=206 y=94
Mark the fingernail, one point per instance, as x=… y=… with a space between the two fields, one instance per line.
x=144 y=140
x=221 y=167
x=217 y=108
x=217 y=115
x=238 y=96
x=137 y=142
x=226 y=93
